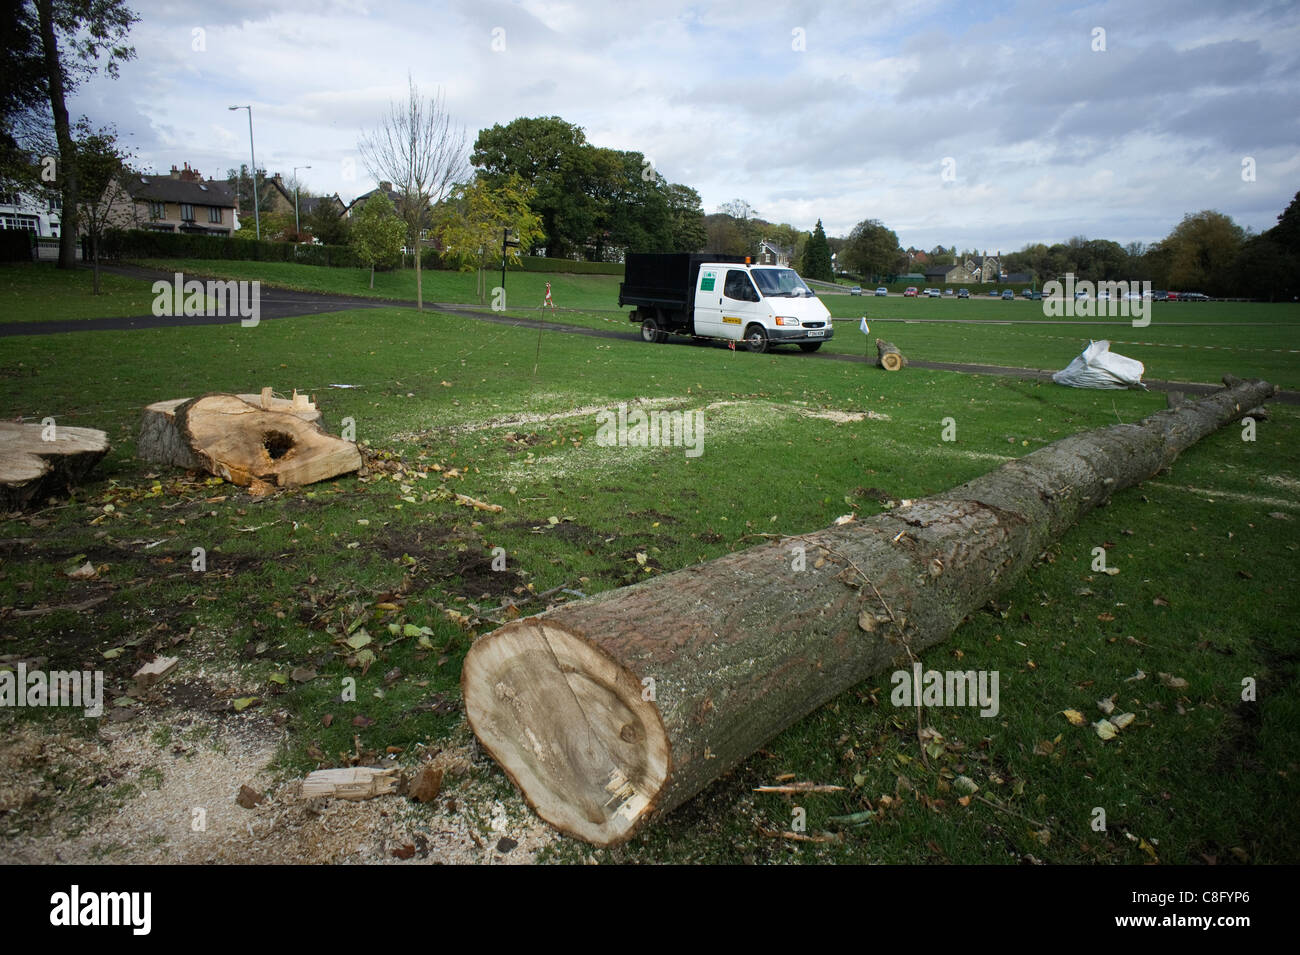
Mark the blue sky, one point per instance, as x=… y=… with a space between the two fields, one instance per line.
x=982 y=125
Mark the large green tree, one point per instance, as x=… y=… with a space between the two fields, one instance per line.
x=817 y=257
x=592 y=201
x=871 y=250
x=1203 y=249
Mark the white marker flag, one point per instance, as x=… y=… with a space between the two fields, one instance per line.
x=863 y=326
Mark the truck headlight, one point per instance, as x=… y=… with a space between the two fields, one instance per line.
x=786 y=320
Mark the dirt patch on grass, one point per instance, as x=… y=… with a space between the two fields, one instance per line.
x=165 y=793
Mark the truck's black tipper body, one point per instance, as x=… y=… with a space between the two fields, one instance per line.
x=662 y=284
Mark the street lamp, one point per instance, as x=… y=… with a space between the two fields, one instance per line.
x=296 y=227
x=257 y=219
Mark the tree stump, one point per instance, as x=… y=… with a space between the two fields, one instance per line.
x=612 y=710
x=32 y=468
x=888 y=356
x=245 y=438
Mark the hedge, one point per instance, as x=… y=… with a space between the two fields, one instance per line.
x=147 y=244
x=15 y=245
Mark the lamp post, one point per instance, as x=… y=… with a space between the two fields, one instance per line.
x=296 y=227
x=257 y=219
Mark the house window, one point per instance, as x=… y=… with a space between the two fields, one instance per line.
x=56 y=203
x=26 y=223
x=187 y=212
x=157 y=210
x=214 y=214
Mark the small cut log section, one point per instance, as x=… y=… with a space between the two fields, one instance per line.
x=246 y=439
x=612 y=710
x=888 y=356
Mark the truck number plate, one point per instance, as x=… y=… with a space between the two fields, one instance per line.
x=817 y=333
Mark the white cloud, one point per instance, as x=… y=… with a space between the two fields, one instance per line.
x=1050 y=138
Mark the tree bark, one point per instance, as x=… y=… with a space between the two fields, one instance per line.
x=613 y=710
x=243 y=439
x=32 y=468
x=67 y=160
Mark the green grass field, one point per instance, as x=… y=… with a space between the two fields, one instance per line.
x=1206 y=590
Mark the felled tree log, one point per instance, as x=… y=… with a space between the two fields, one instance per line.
x=888 y=356
x=612 y=710
x=31 y=468
x=235 y=438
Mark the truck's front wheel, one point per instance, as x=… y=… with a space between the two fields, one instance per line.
x=756 y=339
x=650 y=331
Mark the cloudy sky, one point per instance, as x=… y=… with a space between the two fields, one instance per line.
x=985 y=125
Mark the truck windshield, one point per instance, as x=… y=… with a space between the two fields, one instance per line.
x=776 y=283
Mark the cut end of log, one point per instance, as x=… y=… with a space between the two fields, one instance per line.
x=888 y=356
x=570 y=728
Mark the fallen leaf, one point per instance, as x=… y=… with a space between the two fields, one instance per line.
x=249 y=797
x=427 y=784
x=85 y=572
x=404 y=852
x=1075 y=717
x=1173 y=682
x=1107 y=706
x=1105 y=617
x=1123 y=720
x=1106 y=729
x=302 y=674
x=1160 y=602
x=362 y=721
x=244 y=702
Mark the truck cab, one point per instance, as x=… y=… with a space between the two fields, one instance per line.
x=718 y=297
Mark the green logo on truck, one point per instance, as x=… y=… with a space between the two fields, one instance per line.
x=706 y=283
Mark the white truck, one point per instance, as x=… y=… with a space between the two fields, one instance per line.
x=715 y=296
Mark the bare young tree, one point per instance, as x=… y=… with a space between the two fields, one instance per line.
x=422 y=153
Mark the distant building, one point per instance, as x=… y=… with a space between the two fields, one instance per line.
x=39 y=214
x=970 y=270
x=180 y=202
x=769 y=253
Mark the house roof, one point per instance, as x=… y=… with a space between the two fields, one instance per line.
x=166 y=189
x=308 y=204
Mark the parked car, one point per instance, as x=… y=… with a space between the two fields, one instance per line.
x=909 y=292
x=994 y=293
x=882 y=291
x=1008 y=295
x=1159 y=296
x=1171 y=296
x=963 y=293
x=1080 y=293
x=1194 y=297
x=856 y=290
x=1036 y=296
x=1026 y=293
x=933 y=293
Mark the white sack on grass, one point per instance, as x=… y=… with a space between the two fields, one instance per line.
x=1099 y=367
